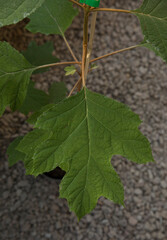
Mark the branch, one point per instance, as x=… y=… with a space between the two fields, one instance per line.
x=90 y=45
x=57 y=64
x=77 y=83
x=69 y=48
x=110 y=10
x=85 y=42
x=77 y=3
x=113 y=53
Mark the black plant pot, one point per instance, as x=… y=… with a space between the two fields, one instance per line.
x=57 y=173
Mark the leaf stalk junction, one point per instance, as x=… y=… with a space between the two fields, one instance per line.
x=88 y=44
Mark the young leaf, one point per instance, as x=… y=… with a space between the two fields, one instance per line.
x=35 y=99
x=86 y=131
x=153 y=19
x=15 y=72
x=70 y=70
x=53 y=17
x=93 y=66
x=40 y=55
x=14 y=155
x=12 y=11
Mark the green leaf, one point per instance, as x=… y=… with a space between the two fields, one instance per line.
x=12 y=11
x=15 y=72
x=33 y=118
x=35 y=99
x=153 y=19
x=28 y=145
x=93 y=66
x=70 y=70
x=151 y=47
x=40 y=55
x=14 y=155
x=86 y=131
x=53 y=17
x=57 y=92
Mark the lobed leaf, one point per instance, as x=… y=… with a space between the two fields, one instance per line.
x=12 y=11
x=57 y=92
x=14 y=155
x=28 y=145
x=53 y=17
x=86 y=130
x=153 y=20
x=15 y=72
x=35 y=99
x=40 y=55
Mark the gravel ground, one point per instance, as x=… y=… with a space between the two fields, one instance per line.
x=30 y=208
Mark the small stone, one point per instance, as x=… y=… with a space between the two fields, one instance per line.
x=58 y=225
x=88 y=218
x=132 y=221
x=143 y=70
x=138 y=191
x=23 y=184
x=164 y=184
x=5 y=194
x=48 y=235
x=105 y=222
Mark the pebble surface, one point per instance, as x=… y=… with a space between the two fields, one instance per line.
x=30 y=208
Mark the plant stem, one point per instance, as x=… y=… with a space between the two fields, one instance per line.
x=77 y=3
x=90 y=45
x=110 y=10
x=57 y=64
x=69 y=48
x=113 y=53
x=76 y=84
x=85 y=42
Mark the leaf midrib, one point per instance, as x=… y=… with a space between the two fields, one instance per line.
x=55 y=20
x=19 y=71
x=148 y=15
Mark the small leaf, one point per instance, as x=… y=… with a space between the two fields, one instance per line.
x=15 y=72
x=12 y=11
x=40 y=55
x=70 y=70
x=93 y=66
x=35 y=99
x=153 y=19
x=14 y=155
x=86 y=130
x=53 y=17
